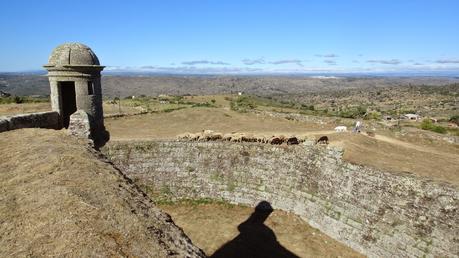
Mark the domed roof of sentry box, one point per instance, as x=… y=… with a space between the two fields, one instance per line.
x=72 y=54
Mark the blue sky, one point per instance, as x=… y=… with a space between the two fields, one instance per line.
x=237 y=36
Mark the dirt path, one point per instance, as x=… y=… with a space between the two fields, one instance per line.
x=390 y=140
x=390 y=154
x=414 y=146
x=394 y=141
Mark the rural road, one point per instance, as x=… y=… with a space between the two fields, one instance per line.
x=414 y=146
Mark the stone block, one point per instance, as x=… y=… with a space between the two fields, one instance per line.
x=4 y=124
x=80 y=125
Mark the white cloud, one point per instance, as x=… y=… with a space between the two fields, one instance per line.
x=447 y=61
x=196 y=62
x=253 y=61
x=328 y=55
x=383 y=61
x=288 y=61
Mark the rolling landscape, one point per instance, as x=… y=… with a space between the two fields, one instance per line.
x=224 y=129
x=263 y=106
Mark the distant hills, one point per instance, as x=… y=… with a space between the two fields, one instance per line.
x=135 y=84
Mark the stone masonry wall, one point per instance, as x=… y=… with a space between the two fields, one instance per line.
x=377 y=213
x=48 y=120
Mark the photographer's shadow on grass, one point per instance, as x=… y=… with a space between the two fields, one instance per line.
x=255 y=239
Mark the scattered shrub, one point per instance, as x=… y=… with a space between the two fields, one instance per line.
x=168 y=110
x=354 y=112
x=454 y=119
x=203 y=104
x=23 y=99
x=18 y=100
x=242 y=104
x=373 y=115
x=178 y=98
x=307 y=107
x=427 y=124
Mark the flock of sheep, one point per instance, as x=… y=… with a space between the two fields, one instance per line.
x=209 y=135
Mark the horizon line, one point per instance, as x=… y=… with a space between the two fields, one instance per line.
x=402 y=73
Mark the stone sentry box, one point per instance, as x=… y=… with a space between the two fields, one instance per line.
x=74 y=78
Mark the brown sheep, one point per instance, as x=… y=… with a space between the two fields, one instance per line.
x=322 y=140
x=248 y=138
x=275 y=140
x=292 y=140
x=215 y=136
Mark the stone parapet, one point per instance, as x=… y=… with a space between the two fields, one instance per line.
x=378 y=213
x=48 y=120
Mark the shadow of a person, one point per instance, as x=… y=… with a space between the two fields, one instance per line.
x=255 y=238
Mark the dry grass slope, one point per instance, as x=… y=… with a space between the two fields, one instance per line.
x=437 y=160
x=58 y=199
x=212 y=226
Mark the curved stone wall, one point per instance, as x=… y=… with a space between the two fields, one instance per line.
x=48 y=120
x=377 y=213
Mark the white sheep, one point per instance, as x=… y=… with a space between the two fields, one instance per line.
x=341 y=129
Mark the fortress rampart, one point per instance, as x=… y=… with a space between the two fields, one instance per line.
x=377 y=213
x=48 y=120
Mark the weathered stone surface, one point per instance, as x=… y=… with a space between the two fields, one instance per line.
x=72 y=54
x=3 y=124
x=377 y=213
x=80 y=125
x=74 y=68
x=48 y=120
